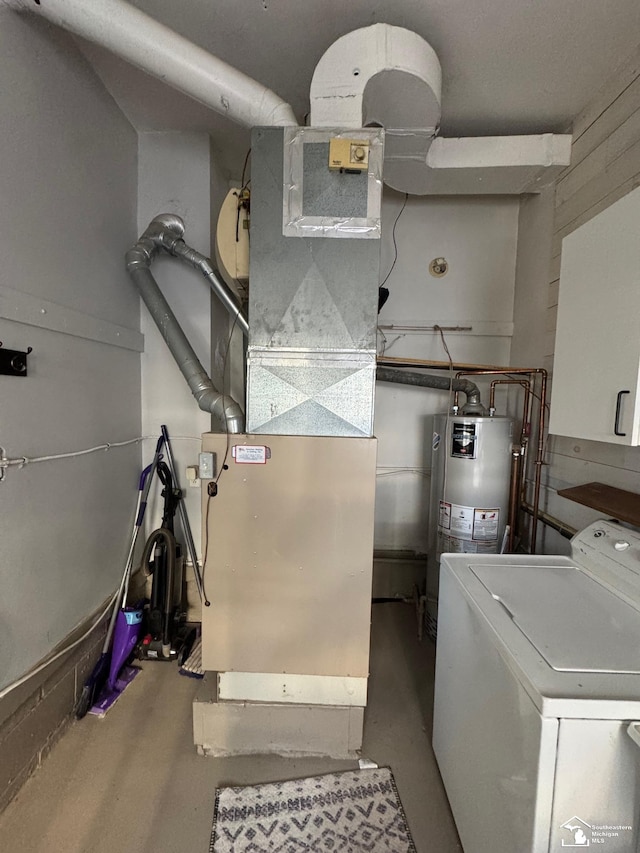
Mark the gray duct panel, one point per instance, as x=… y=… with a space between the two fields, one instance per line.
x=313 y=308
x=303 y=395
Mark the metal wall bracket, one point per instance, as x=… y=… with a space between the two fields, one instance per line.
x=13 y=362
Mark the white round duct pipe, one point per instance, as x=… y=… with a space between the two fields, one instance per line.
x=149 y=45
x=382 y=76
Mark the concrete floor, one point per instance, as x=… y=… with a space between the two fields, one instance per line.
x=133 y=781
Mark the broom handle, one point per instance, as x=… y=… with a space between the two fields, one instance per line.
x=143 y=493
x=184 y=519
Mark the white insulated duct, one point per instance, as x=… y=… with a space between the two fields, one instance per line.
x=391 y=77
x=162 y=53
x=378 y=75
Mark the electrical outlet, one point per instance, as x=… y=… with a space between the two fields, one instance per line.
x=193 y=477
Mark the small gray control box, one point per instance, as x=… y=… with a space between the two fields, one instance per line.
x=207 y=465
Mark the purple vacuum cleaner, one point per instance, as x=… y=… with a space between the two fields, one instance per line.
x=108 y=678
x=125 y=638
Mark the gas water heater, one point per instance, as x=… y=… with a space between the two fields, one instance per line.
x=470 y=477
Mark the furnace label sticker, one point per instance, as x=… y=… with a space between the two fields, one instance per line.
x=485 y=524
x=462 y=521
x=251 y=454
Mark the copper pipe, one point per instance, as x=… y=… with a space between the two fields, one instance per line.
x=524 y=383
x=531 y=372
x=539 y=458
x=514 y=496
x=518 y=455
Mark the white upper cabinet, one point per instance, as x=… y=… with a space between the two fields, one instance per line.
x=597 y=352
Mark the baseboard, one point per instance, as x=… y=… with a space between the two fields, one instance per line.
x=35 y=715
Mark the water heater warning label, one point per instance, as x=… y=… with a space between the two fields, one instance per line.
x=467 y=528
x=462 y=520
x=485 y=524
x=444 y=516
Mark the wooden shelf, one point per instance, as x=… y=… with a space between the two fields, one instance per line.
x=612 y=502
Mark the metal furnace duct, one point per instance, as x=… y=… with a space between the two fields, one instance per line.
x=313 y=300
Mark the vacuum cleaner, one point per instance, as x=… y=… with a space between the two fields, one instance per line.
x=164 y=629
x=124 y=624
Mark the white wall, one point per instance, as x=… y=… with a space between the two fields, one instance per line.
x=68 y=190
x=478 y=237
x=535 y=233
x=605 y=165
x=174 y=177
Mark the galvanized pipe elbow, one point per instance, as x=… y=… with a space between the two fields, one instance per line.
x=163 y=232
x=442 y=383
x=224 y=408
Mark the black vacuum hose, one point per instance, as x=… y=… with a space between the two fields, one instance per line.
x=170 y=548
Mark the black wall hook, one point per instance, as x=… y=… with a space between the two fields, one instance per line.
x=13 y=362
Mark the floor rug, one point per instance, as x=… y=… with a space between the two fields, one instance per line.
x=349 y=812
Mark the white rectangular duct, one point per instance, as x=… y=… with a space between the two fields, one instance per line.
x=495 y=164
x=379 y=76
x=390 y=77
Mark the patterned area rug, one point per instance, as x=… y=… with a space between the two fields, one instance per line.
x=358 y=810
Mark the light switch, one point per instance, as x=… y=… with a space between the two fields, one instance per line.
x=207 y=465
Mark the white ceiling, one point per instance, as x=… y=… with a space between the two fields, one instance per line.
x=509 y=66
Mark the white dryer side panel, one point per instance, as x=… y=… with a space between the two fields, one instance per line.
x=495 y=752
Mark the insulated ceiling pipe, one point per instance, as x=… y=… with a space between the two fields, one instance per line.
x=473 y=406
x=156 y=49
x=139 y=258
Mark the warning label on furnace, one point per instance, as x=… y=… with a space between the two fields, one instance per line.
x=485 y=524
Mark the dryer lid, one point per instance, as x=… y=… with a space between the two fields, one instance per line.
x=573 y=621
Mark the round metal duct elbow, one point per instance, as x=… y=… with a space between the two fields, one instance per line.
x=224 y=408
x=473 y=406
x=209 y=399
